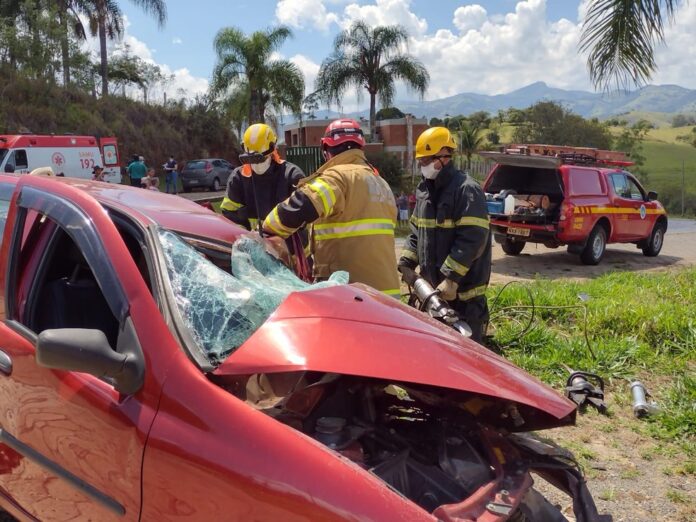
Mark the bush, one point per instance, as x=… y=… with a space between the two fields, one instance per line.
x=389 y=167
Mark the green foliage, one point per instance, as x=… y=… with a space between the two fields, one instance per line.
x=436 y=122
x=246 y=71
x=631 y=141
x=620 y=36
x=153 y=131
x=681 y=120
x=552 y=124
x=389 y=113
x=370 y=58
x=389 y=167
x=639 y=326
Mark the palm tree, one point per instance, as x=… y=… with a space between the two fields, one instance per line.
x=620 y=36
x=245 y=64
x=470 y=140
x=370 y=58
x=106 y=20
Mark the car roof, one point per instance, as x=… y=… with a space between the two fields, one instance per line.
x=151 y=207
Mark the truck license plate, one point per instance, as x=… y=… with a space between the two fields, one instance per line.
x=515 y=231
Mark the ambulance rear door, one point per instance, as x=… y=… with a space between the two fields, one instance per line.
x=112 y=163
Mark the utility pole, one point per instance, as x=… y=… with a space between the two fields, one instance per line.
x=683 y=188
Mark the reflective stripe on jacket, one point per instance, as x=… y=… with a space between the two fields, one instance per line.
x=450 y=234
x=353 y=215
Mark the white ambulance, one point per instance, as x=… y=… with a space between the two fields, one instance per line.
x=71 y=156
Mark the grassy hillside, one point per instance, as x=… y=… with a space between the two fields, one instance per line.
x=150 y=130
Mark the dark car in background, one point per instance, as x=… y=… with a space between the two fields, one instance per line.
x=210 y=173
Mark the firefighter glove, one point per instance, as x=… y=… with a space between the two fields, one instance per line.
x=448 y=290
x=408 y=275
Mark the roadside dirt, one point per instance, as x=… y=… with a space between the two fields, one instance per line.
x=538 y=261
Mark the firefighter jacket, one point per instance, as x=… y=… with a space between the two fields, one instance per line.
x=450 y=235
x=352 y=212
x=251 y=197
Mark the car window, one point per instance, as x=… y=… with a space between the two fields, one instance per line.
x=217 y=163
x=634 y=190
x=3 y=153
x=195 y=165
x=620 y=185
x=59 y=285
x=110 y=156
x=220 y=310
x=585 y=182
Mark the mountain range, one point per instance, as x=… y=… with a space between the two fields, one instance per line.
x=671 y=99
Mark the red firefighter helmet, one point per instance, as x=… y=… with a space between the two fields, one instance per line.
x=342 y=131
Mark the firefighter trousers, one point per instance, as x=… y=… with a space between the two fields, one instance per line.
x=475 y=313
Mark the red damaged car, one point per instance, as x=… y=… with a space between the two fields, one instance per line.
x=127 y=394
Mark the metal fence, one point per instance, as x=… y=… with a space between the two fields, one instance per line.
x=309 y=159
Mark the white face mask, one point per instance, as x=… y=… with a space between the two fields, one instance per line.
x=429 y=171
x=261 y=168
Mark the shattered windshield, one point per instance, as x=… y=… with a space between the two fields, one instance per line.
x=222 y=310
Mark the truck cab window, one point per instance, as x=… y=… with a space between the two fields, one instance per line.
x=19 y=159
x=634 y=190
x=620 y=185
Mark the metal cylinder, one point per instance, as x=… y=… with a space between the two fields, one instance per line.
x=640 y=404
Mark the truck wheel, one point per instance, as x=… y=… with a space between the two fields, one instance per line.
x=512 y=248
x=595 y=246
x=654 y=244
x=216 y=185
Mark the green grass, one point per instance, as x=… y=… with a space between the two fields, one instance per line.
x=640 y=326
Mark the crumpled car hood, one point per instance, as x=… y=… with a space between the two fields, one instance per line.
x=355 y=330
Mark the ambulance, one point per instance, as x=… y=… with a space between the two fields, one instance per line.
x=70 y=156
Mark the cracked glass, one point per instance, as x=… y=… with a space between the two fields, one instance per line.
x=222 y=310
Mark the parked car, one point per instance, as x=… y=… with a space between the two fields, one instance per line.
x=211 y=173
x=582 y=198
x=344 y=404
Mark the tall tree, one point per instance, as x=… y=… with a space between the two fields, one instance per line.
x=620 y=36
x=107 y=17
x=371 y=58
x=470 y=139
x=246 y=64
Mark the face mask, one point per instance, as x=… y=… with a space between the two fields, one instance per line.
x=429 y=171
x=261 y=168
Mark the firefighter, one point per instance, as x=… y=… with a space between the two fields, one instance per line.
x=351 y=211
x=261 y=182
x=450 y=238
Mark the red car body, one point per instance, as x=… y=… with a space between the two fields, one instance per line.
x=586 y=201
x=182 y=444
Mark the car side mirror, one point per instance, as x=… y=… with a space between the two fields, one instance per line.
x=87 y=351
x=652 y=195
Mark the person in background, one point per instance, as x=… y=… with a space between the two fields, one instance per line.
x=450 y=238
x=170 y=175
x=97 y=173
x=150 y=180
x=402 y=208
x=411 y=203
x=350 y=209
x=137 y=171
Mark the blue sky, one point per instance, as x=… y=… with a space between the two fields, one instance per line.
x=486 y=46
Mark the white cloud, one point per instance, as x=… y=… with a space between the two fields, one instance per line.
x=675 y=57
x=309 y=68
x=182 y=82
x=305 y=13
x=177 y=41
x=469 y=17
x=386 y=12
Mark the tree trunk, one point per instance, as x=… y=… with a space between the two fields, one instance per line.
x=64 y=43
x=255 y=114
x=373 y=115
x=103 y=71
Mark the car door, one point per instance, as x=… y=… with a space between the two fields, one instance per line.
x=624 y=208
x=642 y=222
x=74 y=442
